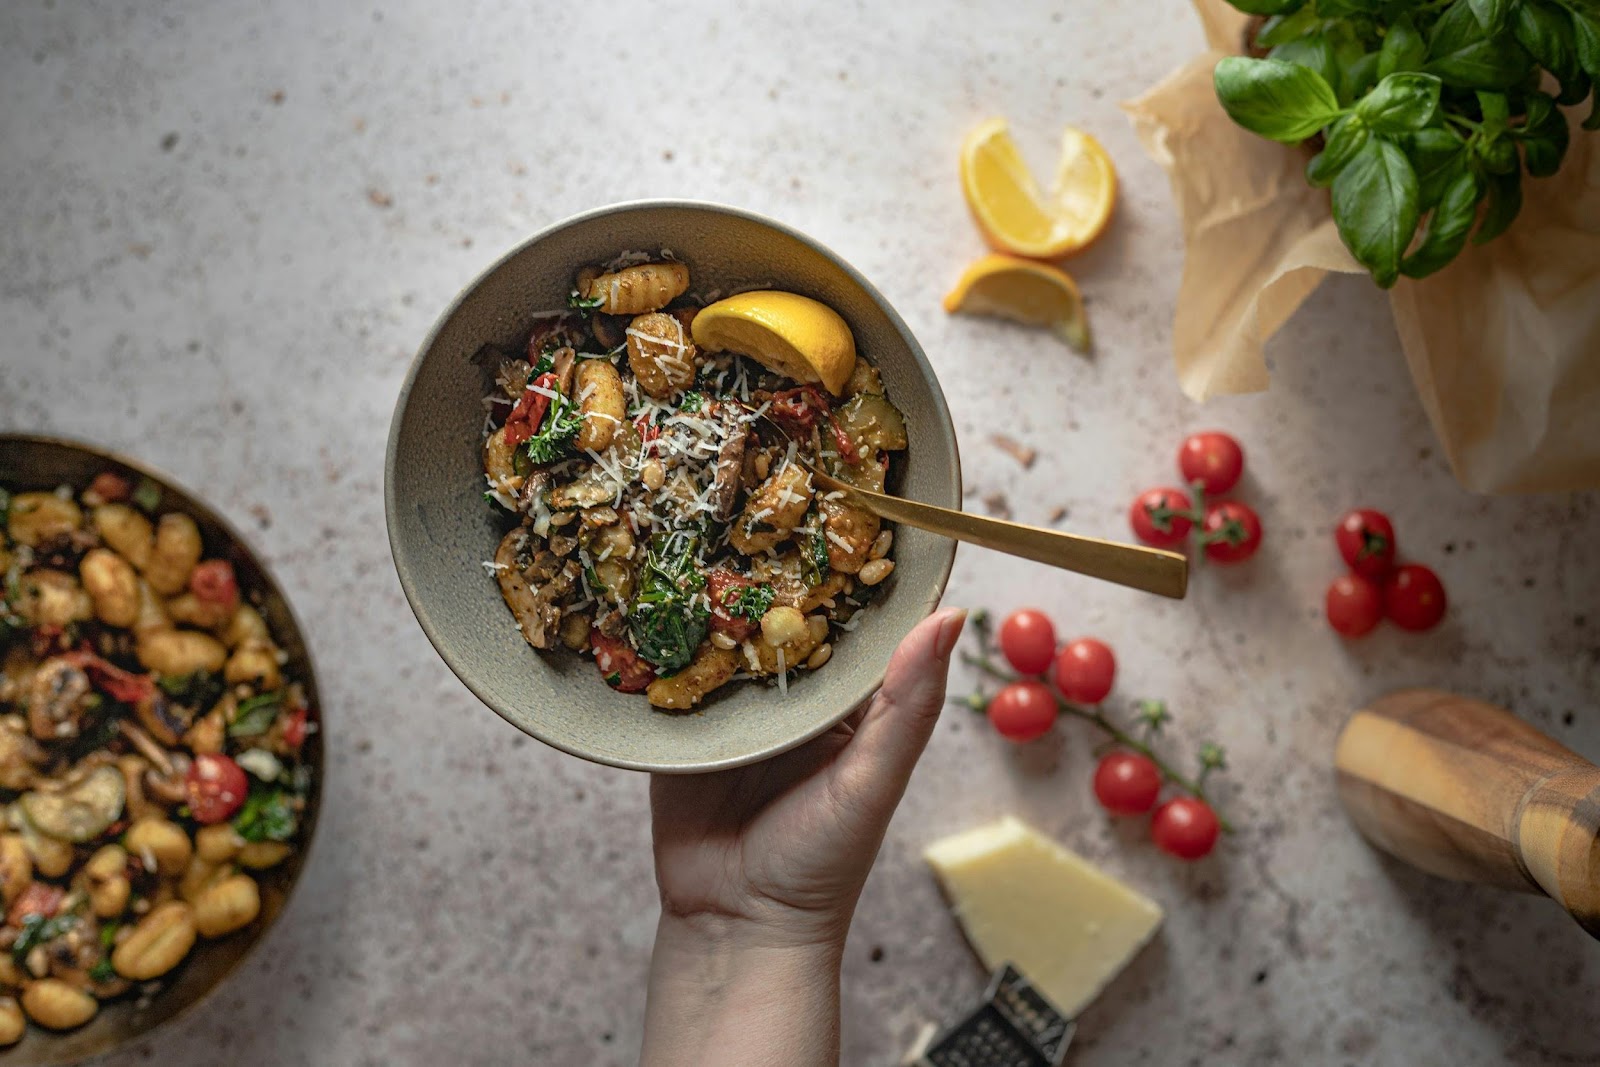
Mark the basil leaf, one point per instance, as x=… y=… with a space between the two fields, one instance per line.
x=1586 y=44
x=1495 y=154
x=1463 y=56
x=1403 y=48
x=1448 y=227
x=255 y=715
x=1314 y=52
x=1345 y=138
x=1359 y=78
x=1496 y=108
x=1375 y=207
x=1547 y=33
x=1505 y=201
x=1281 y=29
x=1281 y=101
x=1492 y=15
x=1267 y=7
x=1435 y=154
x=1584 y=9
x=1401 y=103
x=1544 y=136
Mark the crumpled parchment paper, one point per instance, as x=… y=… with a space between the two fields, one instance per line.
x=1503 y=345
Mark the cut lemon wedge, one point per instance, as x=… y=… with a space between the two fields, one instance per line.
x=1025 y=291
x=1013 y=212
x=787 y=333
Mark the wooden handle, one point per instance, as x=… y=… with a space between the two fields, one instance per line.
x=1465 y=790
x=1152 y=570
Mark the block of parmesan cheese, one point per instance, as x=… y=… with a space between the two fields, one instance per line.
x=1025 y=900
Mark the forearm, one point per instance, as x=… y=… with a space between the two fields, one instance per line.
x=719 y=995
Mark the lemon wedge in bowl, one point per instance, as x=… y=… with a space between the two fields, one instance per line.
x=1015 y=214
x=1025 y=291
x=787 y=333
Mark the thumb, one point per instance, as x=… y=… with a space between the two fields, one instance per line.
x=896 y=727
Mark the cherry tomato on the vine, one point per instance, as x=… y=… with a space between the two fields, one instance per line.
x=1127 y=783
x=1234 y=531
x=1414 y=597
x=1185 y=827
x=1028 y=640
x=1160 y=517
x=1366 y=541
x=216 y=786
x=1085 y=670
x=1023 y=711
x=1213 y=459
x=1354 y=605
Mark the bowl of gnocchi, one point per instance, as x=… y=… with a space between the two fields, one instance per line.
x=601 y=486
x=160 y=750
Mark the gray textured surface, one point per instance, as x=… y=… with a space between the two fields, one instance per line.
x=227 y=227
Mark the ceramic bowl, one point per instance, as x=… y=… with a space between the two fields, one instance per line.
x=441 y=529
x=30 y=462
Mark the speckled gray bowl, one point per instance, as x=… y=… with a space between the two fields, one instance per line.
x=441 y=529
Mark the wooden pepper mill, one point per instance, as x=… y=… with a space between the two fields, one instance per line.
x=1465 y=790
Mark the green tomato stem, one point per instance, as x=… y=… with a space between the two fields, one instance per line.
x=1096 y=715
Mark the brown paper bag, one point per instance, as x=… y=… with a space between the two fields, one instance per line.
x=1503 y=345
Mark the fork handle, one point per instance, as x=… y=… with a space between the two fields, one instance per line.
x=1137 y=567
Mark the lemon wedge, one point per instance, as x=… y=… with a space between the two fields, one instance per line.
x=1013 y=212
x=1025 y=291
x=787 y=333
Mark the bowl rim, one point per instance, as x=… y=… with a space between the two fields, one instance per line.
x=308 y=846
x=402 y=404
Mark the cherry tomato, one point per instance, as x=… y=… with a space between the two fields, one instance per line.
x=623 y=668
x=294 y=727
x=1159 y=517
x=1235 y=531
x=1366 y=541
x=1126 y=783
x=216 y=786
x=213 y=582
x=1028 y=639
x=1414 y=597
x=1354 y=605
x=1085 y=670
x=722 y=585
x=1185 y=827
x=1213 y=459
x=110 y=488
x=1023 y=711
x=40 y=898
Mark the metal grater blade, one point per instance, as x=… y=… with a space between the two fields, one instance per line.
x=1015 y=1026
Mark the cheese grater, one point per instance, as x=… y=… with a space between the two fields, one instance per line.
x=1015 y=1026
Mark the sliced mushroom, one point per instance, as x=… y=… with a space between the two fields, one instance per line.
x=82 y=810
x=58 y=699
x=166 y=720
x=534 y=591
x=20 y=755
x=564 y=360
x=730 y=463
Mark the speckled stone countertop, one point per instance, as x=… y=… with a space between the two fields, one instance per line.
x=226 y=229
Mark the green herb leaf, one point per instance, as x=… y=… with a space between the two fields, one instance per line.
x=1345 y=138
x=1281 y=29
x=1505 y=202
x=1492 y=15
x=255 y=715
x=102 y=972
x=5 y=507
x=147 y=495
x=1548 y=33
x=692 y=401
x=1267 y=7
x=1544 y=136
x=814 y=563
x=669 y=618
x=1447 y=226
x=38 y=930
x=584 y=303
x=1360 y=75
x=1281 y=101
x=1404 y=49
x=751 y=601
x=1586 y=44
x=1462 y=55
x=557 y=431
x=1375 y=208
x=108 y=934
x=1314 y=52
x=1401 y=103
x=200 y=690
x=267 y=815
x=1495 y=153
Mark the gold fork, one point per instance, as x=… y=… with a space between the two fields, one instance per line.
x=1149 y=569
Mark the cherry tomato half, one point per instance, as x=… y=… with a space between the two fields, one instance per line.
x=1354 y=605
x=1028 y=639
x=1414 y=597
x=1213 y=459
x=623 y=668
x=1234 y=529
x=1023 y=711
x=1126 y=783
x=110 y=488
x=1085 y=670
x=213 y=582
x=216 y=786
x=295 y=728
x=1366 y=541
x=1160 y=517
x=1185 y=827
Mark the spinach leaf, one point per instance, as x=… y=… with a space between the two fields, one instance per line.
x=255 y=715
x=1278 y=100
x=669 y=617
x=267 y=815
x=1375 y=208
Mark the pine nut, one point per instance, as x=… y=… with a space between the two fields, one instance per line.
x=723 y=641
x=819 y=657
x=876 y=570
x=818 y=627
x=881 y=545
x=653 y=475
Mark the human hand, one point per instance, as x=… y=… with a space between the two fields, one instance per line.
x=760 y=869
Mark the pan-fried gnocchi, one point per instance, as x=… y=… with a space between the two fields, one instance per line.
x=152 y=773
x=668 y=523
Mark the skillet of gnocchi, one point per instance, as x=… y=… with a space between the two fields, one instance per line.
x=156 y=779
x=666 y=527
